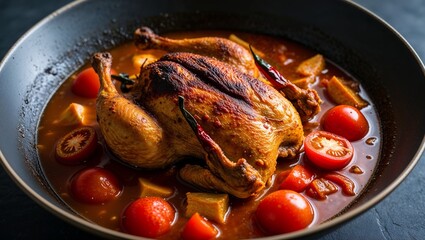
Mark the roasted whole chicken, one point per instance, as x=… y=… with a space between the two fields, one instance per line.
x=249 y=123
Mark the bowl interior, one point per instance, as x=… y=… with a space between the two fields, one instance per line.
x=389 y=70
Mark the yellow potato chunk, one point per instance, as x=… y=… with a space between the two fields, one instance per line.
x=150 y=189
x=146 y=58
x=312 y=66
x=210 y=205
x=303 y=82
x=72 y=115
x=342 y=94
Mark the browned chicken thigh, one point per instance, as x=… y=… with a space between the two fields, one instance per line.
x=249 y=123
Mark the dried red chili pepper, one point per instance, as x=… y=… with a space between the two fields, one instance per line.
x=202 y=136
x=269 y=71
x=241 y=169
x=306 y=101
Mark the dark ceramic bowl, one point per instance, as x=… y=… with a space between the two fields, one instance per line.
x=345 y=33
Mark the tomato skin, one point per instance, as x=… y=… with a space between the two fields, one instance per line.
x=346 y=184
x=76 y=146
x=327 y=150
x=346 y=121
x=148 y=217
x=284 y=211
x=87 y=84
x=95 y=185
x=297 y=179
x=198 y=228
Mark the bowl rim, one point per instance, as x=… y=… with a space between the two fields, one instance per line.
x=103 y=231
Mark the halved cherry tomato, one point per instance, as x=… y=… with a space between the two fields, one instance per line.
x=327 y=150
x=86 y=84
x=346 y=121
x=95 y=185
x=297 y=179
x=198 y=228
x=76 y=146
x=284 y=211
x=148 y=217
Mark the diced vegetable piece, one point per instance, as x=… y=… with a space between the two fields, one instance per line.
x=150 y=189
x=244 y=44
x=297 y=179
x=346 y=184
x=72 y=115
x=86 y=84
x=210 y=205
x=146 y=58
x=320 y=188
x=143 y=59
x=303 y=82
x=342 y=94
x=312 y=66
x=198 y=228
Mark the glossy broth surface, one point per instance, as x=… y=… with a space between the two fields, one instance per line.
x=283 y=54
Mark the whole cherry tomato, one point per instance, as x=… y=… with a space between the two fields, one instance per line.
x=87 y=84
x=76 y=146
x=95 y=185
x=346 y=121
x=284 y=211
x=198 y=228
x=327 y=150
x=148 y=217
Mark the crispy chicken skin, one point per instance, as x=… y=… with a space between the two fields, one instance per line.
x=250 y=123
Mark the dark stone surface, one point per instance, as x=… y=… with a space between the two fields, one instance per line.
x=399 y=216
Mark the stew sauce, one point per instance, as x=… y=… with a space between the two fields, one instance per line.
x=285 y=56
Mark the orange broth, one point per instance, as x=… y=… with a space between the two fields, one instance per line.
x=285 y=56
